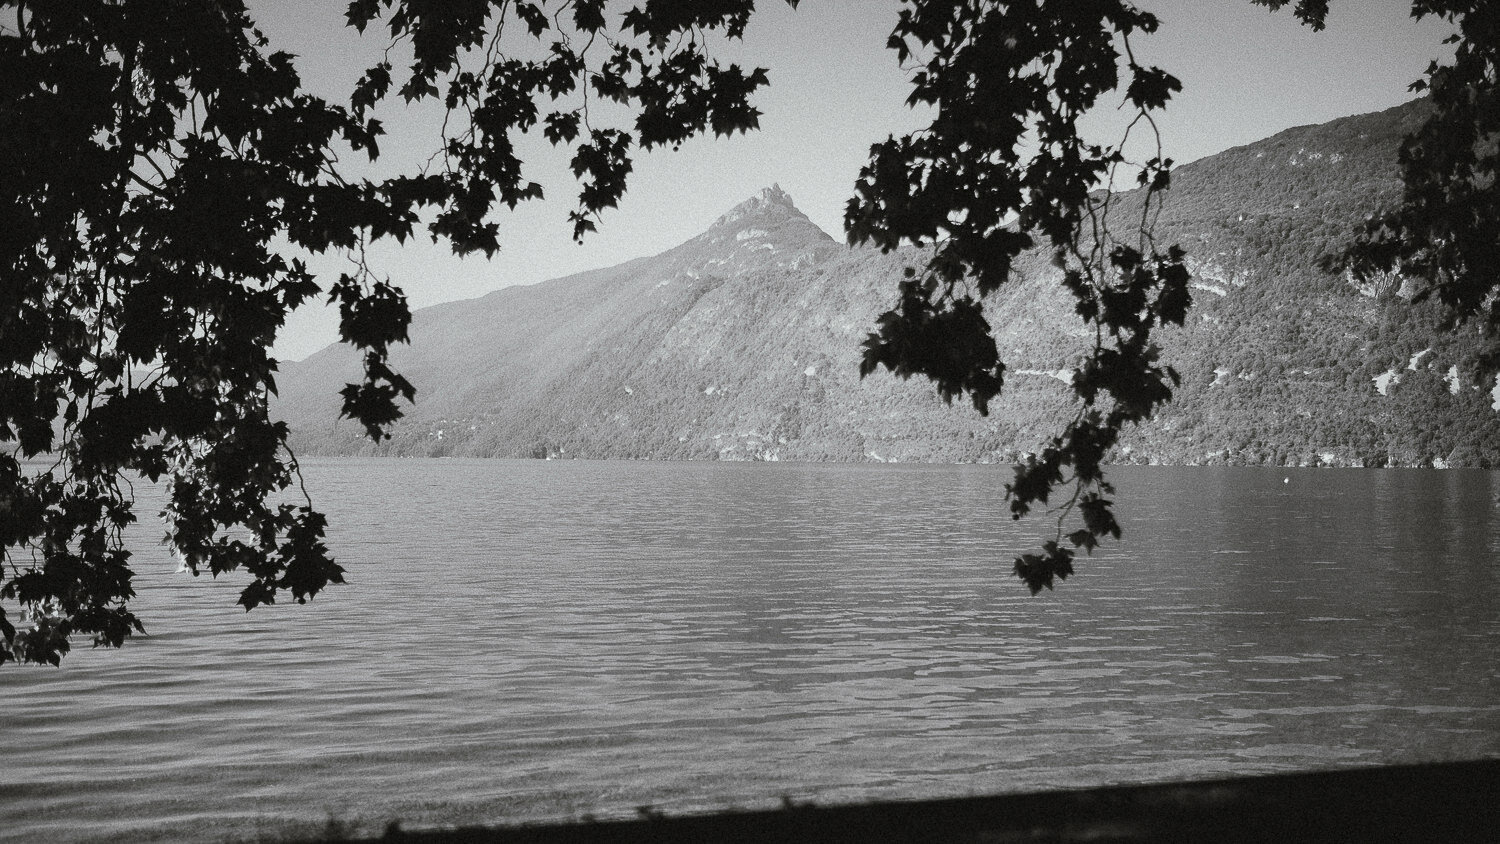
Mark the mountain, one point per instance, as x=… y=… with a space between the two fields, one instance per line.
x=744 y=342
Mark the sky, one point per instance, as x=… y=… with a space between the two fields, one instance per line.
x=1247 y=73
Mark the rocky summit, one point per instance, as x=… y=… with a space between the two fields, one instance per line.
x=744 y=343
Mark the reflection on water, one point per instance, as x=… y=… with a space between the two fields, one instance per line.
x=528 y=640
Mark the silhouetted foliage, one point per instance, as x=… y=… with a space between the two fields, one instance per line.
x=1446 y=231
x=1002 y=168
x=155 y=155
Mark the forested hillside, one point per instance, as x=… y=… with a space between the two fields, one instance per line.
x=1286 y=363
x=744 y=343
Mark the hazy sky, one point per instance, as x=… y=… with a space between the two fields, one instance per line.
x=1247 y=73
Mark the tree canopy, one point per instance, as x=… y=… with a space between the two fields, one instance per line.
x=160 y=163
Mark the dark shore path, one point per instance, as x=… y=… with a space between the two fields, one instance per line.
x=1450 y=802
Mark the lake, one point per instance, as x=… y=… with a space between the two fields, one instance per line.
x=529 y=640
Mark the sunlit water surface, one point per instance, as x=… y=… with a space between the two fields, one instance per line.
x=536 y=640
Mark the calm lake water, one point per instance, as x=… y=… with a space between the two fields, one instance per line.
x=525 y=640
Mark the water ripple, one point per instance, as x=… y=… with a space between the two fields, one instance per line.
x=533 y=640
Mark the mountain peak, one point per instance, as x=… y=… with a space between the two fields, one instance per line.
x=771 y=201
x=765 y=231
x=775 y=194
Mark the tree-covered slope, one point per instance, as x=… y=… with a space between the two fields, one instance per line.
x=1284 y=362
x=744 y=343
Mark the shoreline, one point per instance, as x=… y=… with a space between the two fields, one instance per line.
x=1450 y=801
